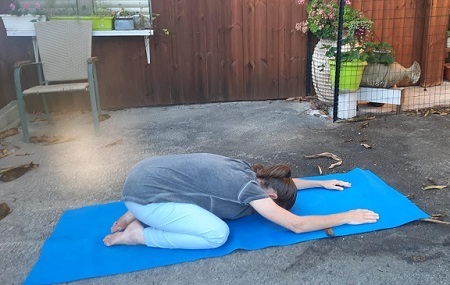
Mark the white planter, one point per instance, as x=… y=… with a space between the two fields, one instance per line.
x=21 y=23
x=448 y=42
x=321 y=71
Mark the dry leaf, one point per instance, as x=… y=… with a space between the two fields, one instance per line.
x=435 y=221
x=335 y=164
x=114 y=143
x=320 y=169
x=324 y=154
x=426 y=113
x=23 y=154
x=360 y=119
x=50 y=140
x=8 y=133
x=434 y=187
x=329 y=155
x=4 y=210
x=12 y=173
x=4 y=152
x=103 y=117
x=411 y=196
x=366 y=145
x=364 y=125
x=329 y=232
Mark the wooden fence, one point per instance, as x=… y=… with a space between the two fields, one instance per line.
x=227 y=50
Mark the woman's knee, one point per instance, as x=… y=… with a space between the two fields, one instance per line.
x=219 y=235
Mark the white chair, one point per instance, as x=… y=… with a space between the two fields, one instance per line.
x=66 y=65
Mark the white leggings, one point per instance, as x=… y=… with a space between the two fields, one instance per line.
x=178 y=225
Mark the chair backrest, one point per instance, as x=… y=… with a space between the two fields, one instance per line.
x=64 y=47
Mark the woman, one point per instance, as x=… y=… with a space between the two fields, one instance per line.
x=179 y=201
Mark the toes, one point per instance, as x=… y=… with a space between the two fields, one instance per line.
x=107 y=240
x=116 y=227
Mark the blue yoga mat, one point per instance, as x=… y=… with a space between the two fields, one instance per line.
x=75 y=249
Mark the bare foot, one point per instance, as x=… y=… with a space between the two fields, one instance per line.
x=132 y=235
x=123 y=222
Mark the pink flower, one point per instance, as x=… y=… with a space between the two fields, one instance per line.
x=12 y=6
x=348 y=2
x=300 y=2
x=26 y=5
x=37 y=6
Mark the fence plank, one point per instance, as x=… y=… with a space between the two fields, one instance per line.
x=229 y=50
x=436 y=26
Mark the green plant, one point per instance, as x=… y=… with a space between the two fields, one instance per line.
x=123 y=13
x=379 y=52
x=355 y=53
x=323 y=19
x=14 y=8
x=361 y=29
x=101 y=9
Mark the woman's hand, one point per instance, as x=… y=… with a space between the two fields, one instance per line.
x=359 y=216
x=335 y=184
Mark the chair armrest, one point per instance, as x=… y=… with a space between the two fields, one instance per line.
x=22 y=63
x=92 y=59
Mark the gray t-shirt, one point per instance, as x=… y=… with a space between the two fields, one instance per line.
x=224 y=186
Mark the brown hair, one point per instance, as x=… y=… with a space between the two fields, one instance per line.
x=278 y=177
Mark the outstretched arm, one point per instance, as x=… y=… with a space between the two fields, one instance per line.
x=327 y=184
x=300 y=224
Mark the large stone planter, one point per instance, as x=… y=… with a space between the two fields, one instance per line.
x=320 y=70
x=386 y=76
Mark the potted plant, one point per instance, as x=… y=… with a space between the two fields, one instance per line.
x=353 y=63
x=379 y=53
x=354 y=56
x=448 y=39
x=322 y=22
x=21 y=18
x=101 y=16
x=143 y=21
x=382 y=71
x=123 y=19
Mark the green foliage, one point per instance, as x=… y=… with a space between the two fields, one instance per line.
x=355 y=53
x=14 y=8
x=323 y=20
x=382 y=53
x=372 y=52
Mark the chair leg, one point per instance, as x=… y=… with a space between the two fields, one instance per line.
x=94 y=98
x=94 y=110
x=23 y=117
x=97 y=95
x=47 y=116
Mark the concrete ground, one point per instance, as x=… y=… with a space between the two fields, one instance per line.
x=408 y=151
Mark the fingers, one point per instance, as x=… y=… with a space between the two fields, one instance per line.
x=338 y=185
x=370 y=216
x=363 y=216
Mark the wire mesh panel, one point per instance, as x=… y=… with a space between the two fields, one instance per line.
x=404 y=46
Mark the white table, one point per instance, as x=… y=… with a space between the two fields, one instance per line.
x=115 y=33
